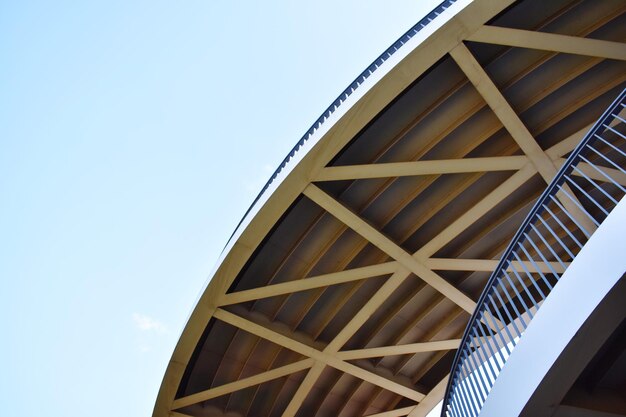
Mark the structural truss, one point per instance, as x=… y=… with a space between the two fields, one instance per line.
x=347 y=287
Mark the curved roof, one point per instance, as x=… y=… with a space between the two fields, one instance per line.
x=346 y=287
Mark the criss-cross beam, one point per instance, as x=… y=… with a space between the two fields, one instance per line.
x=374 y=271
x=481 y=208
x=417 y=263
x=378 y=239
x=409 y=262
x=516 y=128
x=421 y=263
x=324 y=356
x=344 y=335
x=403 y=258
x=315 y=362
x=554 y=153
x=303 y=390
x=414 y=263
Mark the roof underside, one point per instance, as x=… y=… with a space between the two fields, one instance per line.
x=391 y=250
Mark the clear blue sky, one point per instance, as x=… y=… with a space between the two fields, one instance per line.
x=134 y=135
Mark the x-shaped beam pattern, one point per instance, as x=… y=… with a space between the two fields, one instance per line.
x=316 y=359
x=535 y=160
x=316 y=364
x=414 y=263
x=374 y=236
x=513 y=124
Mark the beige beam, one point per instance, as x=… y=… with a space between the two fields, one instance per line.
x=488 y=265
x=400 y=412
x=344 y=335
x=568 y=144
x=550 y=42
x=367 y=310
x=477 y=211
x=495 y=197
x=373 y=378
x=315 y=354
x=513 y=124
x=435 y=167
x=509 y=118
x=381 y=241
x=399 y=349
x=243 y=383
x=431 y=400
x=304 y=284
x=303 y=390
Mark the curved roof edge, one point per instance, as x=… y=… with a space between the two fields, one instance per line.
x=345 y=94
x=413 y=54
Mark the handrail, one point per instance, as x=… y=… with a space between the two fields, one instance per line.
x=585 y=190
x=347 y=93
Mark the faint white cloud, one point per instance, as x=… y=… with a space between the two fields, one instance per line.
x=147 y=323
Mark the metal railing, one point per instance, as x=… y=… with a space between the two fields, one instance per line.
x=388 y=53
x=585 y=190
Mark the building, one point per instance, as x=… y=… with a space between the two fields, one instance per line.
x=347 y=287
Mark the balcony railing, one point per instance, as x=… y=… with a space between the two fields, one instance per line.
x=585 y=190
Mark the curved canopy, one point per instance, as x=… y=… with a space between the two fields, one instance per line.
x=346 y=288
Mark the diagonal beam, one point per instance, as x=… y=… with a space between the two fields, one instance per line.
x=488 y=265
x=399 y=349
x=400 y=412
x=431 y=400
x=319 y=356
x=509 y=118
x=568 y=144
x=550 y=42
x=435 y=167
x=243 y=383
x=385 y=244
x=477 y=211
x=344 y=335
x=319 y=281
x=367 y=310
x=303 y=390
x=513 y=124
